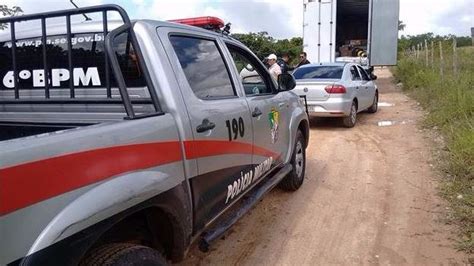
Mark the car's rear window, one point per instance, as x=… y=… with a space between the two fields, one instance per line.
x=319 y=72
x=87 y=56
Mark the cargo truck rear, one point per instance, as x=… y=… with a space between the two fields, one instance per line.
x=362 y=31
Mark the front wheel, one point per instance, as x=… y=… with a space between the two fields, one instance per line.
x=295 y=178
x=350 y=120
x=124 y=254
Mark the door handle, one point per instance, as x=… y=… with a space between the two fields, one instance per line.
x=256 y=112
x=282 y=104
x=205 y=126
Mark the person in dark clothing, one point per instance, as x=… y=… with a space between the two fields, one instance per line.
x=283 y=62
x=303 y=60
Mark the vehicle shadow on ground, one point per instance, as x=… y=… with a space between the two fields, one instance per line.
x=255 y=232
x=335 y=123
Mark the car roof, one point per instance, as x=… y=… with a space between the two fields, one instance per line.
x=93 y=27
x=339 y=64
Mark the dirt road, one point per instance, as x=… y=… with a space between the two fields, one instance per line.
x=369 y=197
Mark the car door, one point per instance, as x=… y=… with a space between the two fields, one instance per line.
x=367 y=89
x=356 y=85
x=220 y=120
x=269 y=110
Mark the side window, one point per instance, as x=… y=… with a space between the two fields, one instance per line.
x=354 y=73
x=253 y=81
x=203 y=66
x=364 y=74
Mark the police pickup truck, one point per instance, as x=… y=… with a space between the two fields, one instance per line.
x=122 y=143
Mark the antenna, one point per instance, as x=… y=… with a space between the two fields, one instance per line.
x=85 y=16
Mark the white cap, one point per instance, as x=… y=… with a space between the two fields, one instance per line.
x=272 y=56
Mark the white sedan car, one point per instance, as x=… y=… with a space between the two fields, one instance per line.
x=337 y=90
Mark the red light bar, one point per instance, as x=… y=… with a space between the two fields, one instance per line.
x=202 y=22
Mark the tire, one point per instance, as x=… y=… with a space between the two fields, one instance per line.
x=294 y=179
x=123 y=254
x=351 y=120
x=373 y=109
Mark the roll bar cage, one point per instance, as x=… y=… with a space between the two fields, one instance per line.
x=111 y=61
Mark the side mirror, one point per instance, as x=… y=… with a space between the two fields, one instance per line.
x=373 y=77
x=286 y=82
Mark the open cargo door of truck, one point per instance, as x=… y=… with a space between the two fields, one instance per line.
x=383 y=33
x=319 y=31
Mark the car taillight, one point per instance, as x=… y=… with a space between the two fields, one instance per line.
x=335 y=89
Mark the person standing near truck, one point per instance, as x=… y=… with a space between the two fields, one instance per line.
x=284 y=63
x=303 y=60
x=273 y=67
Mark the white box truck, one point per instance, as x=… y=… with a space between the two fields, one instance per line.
x=362 y=31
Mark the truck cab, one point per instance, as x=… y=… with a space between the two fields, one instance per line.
x=125 y=142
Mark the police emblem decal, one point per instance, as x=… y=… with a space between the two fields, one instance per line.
x=274 y=119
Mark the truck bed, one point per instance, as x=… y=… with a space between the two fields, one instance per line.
x=13 y=131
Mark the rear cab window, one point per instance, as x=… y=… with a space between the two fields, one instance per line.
x=204 y=67
x=319 y=72
x=88 y=60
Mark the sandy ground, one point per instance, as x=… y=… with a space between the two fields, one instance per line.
x=369 y=197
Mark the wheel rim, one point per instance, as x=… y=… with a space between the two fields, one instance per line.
x=299 y=159
x=353 y=114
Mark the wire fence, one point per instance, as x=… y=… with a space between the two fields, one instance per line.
x=441 y=56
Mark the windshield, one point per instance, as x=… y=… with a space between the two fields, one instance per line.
x=319 y=72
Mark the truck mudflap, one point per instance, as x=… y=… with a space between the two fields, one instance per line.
x=70 y=250
x=304 y=101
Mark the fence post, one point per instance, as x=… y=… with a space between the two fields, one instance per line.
x=455 y=57
x=432 y=54
x=419 y=51
x=441 y=60
x=426 y=53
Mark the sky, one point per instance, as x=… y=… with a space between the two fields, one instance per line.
x=280 y=18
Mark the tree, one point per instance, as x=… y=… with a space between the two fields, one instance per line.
x=401 y=25
x=260 y=43
x=6 y=11
x=263 y=44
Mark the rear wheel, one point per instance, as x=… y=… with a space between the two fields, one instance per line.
x=123 y=254
x=373 y=109
x=350 y=120
x=295 y=178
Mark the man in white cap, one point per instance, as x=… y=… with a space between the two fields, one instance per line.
x=273 y=67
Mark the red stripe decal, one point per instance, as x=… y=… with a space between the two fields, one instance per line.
x=26 y=184
x=204 y=148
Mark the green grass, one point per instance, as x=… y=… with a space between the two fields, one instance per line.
x=450 y=105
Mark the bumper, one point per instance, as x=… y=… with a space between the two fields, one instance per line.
x=332 y=107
